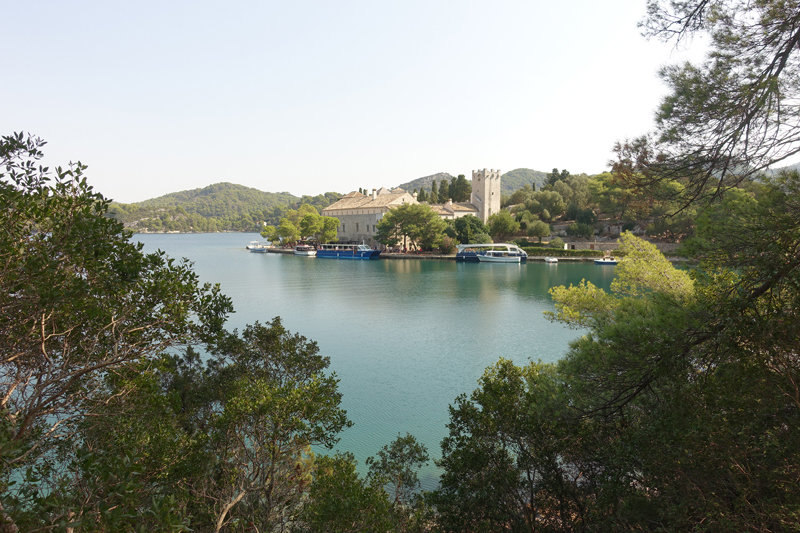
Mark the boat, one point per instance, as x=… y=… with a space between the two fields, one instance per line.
x=347 y=251
x=305 y=250
x=606 y=260
x=498 y=256
x=470 y=253
x=551 y=260
x=256 y=247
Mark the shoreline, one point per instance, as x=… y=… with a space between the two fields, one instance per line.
x=452 y=257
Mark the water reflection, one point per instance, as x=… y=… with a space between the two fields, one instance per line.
x=404 y=336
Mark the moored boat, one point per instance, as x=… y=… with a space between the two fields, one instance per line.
x=347 y=251
x=606 y=260
x=257 y=247
x=551 y=260
x=471 y=253
x=305 y=250
x=498 y=256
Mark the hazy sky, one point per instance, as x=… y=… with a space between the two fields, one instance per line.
x=315 y=96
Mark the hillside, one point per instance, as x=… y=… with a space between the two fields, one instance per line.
x=425 y=182
x=510 y=181
x=218 y=207
x=518 y=178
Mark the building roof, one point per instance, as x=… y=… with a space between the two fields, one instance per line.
x=359 y=201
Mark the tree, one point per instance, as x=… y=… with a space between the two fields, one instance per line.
x=342 y=502
x=466 y=228
x=288 y=232
x=79 y=304
x=539 y=229
x=444 y=192
x=422 y=196
x=502 y=225
x=329 y=232
x=310 y=224
x=434 y=197
x=276 y=401
x=396 y=466
x=507 y=461
x=731 y=117
x=414 y=225
x=460 y=189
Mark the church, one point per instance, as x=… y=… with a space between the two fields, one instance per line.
x=359 y=213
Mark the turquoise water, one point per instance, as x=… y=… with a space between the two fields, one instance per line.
x=405 y=337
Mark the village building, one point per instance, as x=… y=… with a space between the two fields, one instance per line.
x=359 y=213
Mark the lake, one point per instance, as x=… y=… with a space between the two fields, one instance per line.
x=405 y=337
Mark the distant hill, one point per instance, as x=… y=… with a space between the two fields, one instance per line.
x=516 y=179
x=425 y=182
x=218 y=207
x=220 y=199
x=510 y=181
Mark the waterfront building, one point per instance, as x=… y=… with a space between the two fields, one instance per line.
x=359 y=213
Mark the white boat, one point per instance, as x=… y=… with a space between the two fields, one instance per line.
x=551 y=260
x=606 y=260
x=471 y=253
x=304 y=250
x=498 y=256
x=256 y=247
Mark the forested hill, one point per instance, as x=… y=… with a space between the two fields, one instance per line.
x=218 y=207
x=510 y=181
x=518 y=178
x=425 y=182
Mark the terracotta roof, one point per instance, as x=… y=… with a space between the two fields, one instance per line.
x=366 y=202
x=464 y=206
x=354 y=194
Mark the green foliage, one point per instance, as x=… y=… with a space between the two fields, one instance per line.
x=502 y=225
x=518 y=178
x=546 y=204
x=467 y=228
x=396 y=466
x=444 y=192
x=539 y=229
x=79 y=305
x=218 y=207
x=414 y=225
x=339 y=501
x=448 y=245
x=580 y=230
x=506 y=460
x=557 y=243
x=460 y=189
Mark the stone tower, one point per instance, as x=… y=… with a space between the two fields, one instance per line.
x=486 y=192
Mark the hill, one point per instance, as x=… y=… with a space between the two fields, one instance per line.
x=510 y=181
x=218 y=207
x=518 y=178
x=425 y=182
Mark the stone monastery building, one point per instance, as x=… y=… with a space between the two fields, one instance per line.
x=359 y=214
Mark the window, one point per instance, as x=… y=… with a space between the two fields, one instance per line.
x=356 y=227
x=343 y=228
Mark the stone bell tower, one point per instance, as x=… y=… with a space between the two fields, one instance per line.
x=486 y=192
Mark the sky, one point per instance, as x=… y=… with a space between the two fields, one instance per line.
x=315 y=96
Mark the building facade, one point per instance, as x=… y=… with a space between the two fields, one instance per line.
x=359 y=213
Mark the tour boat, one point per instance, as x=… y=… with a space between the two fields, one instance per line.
x=347 y=251
x=498 y=256
x=305 y=250
x=471 y=253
